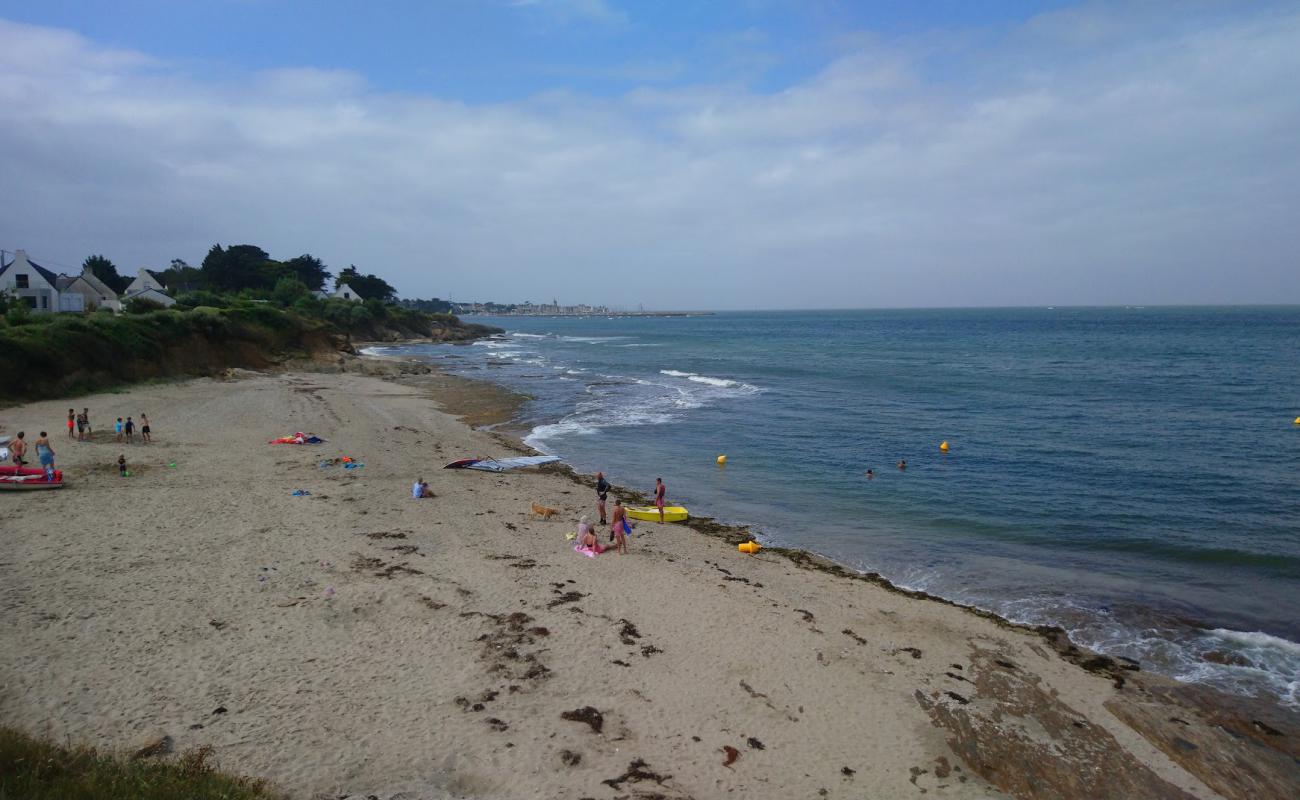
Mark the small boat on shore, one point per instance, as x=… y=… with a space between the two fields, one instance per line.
x=21 y=478
x=651 y=514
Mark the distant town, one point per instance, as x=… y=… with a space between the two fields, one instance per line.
x=555 y=309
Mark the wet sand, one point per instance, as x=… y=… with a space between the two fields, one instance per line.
x=355 y=641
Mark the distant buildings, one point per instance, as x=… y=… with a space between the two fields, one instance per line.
x=529 y=309
x=146 y=286
x=44 y=291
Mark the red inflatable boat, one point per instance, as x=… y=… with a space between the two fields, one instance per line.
x=13 y=478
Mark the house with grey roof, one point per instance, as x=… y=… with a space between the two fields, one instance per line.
x=95 y=293
x=146 y=286
x=37 y=286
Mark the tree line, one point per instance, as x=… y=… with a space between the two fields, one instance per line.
x=249 y=268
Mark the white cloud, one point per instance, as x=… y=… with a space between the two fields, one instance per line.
x=1152 y=168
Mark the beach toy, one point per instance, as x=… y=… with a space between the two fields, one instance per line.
x=943 y=446
x=570 y=536
x=750 y=547
x=171 y=465
x=722 y=461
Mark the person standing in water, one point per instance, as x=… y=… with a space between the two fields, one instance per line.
x=660 y=491
x=616 y=527
x=602 y=491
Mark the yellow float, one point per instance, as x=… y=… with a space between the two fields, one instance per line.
x=943 y=446
x=750 y=547
x=722 y=460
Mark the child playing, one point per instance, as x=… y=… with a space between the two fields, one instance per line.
x=121 y=465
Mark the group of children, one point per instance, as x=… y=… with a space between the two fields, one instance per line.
x=123 y=431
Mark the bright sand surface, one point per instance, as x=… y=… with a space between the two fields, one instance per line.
x=358 y=641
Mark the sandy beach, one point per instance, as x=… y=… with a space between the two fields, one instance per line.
x=354 y=641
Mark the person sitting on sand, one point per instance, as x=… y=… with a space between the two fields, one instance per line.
x=616 y=527
x=587 y=536
x=420 y=489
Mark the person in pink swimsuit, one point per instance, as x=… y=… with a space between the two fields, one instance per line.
x=660 y=491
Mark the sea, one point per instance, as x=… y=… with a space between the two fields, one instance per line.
x=1129 y=474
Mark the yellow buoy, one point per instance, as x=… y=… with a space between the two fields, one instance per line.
x=943 y=447
x=750 y=547
x=1297 y=420
x=722 y=460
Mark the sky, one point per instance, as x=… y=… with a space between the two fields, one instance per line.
x=676 y=155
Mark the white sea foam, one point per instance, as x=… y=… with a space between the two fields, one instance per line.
x=374 y=351
x=720 y=382
x=528 y=335
x=591 y=339
x=1256 y=640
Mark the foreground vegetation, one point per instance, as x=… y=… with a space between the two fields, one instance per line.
x=36 y=769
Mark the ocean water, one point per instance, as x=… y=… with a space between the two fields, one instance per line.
x=1131 y=474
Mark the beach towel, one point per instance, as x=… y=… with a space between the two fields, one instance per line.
x=298 y=438
x=586 y=551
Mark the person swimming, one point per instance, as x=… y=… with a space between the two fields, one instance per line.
x=902 y=463
x=871 y=474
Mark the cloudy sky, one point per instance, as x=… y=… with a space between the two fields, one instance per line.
x=692 y=154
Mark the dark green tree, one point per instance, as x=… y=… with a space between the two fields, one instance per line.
x=240 y=266
x=369 y=287
x=181 y=277
x=309 y=270
x=106 y=271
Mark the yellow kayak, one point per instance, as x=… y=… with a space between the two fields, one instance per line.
x=651 y=514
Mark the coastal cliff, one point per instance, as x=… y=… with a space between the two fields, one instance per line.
x=65 y=354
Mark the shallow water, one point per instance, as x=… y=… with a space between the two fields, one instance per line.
x=1130 y=474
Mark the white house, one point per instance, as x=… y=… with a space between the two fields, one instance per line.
x=34 y=284
x=154 y=296
x=143 y=282
x=146 y=286
x=345 y=292
x=94 y=292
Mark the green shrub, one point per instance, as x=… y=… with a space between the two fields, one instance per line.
x=37 y=769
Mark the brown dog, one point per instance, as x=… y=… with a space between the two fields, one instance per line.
x=544 y=512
